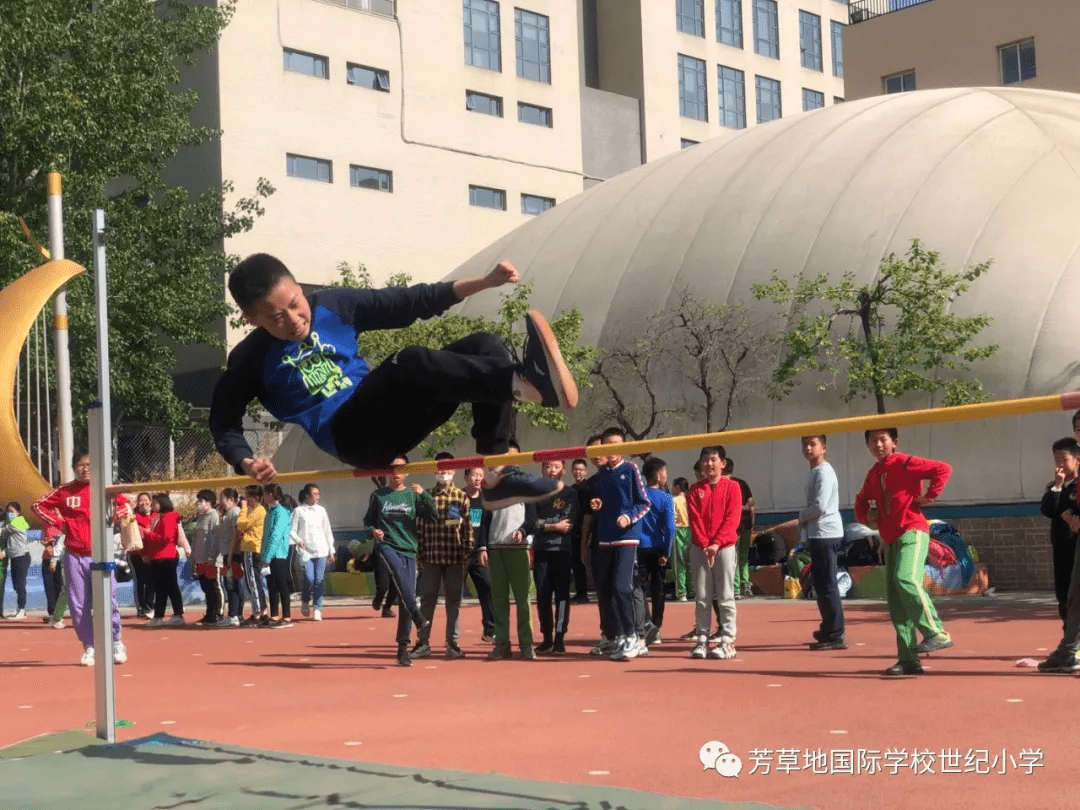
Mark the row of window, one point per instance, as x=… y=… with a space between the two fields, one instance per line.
x=313 y=64
x=311 y=168
x=1017 y=65
x=493 y=105
x=731 y=87
x=690 y=19
x=483 y=41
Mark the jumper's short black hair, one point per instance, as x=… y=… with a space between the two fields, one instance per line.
x=714 y=449
x=1069 y=445
x=513 y=447
x=254 y=277
x=894 y=434
x=652 y=468
x=611 y=432
x=207 y=495
x=821 y=437
x=594 y=439
x=164 y=501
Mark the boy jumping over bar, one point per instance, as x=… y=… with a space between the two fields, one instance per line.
x=303 y=365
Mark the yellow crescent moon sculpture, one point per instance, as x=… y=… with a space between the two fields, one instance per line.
x=20 y=303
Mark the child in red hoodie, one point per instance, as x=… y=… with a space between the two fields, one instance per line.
x=715 y=506
x=895 y=486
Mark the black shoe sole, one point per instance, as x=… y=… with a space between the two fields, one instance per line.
x=493 y=506
x=561 y=379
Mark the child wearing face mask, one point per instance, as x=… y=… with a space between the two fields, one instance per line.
x=15 y=552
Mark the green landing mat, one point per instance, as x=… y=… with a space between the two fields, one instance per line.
x=74 y=770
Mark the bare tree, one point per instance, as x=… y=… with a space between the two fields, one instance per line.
x=627 y=370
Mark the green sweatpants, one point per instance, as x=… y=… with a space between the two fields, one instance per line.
x=684 y=577
x=742 y=564
x=510 y=572
x=910 y=607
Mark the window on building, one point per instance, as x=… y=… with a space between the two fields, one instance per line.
x=309 y=64
x=533 y=205
x=686 y=143
x=810 y=40
x=837 y=99
x=690 y=17
x=482 y=34
x=812 y=100
x=692 y=103
x=1017 y=62
x=768 y=99
x=483 y=103
x=900 y=82
x=532 y=114
x=766 y=29
x=363 y=76
x=374 y=179
x=836 y=31
x=485 y=197
x=732 y=85
x=729 y=22
x=533 y=46
x=309 y=168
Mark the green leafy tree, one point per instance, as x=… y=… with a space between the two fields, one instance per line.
x=885 y=338
x=437 y=332
x=91 y=90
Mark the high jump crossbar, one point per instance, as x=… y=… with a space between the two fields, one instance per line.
x=928 y=416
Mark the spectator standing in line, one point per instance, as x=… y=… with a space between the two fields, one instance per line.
x=314 y=540
x=743 y=587
x=476 y=570
x=715 y=508
x=68 y=508
x=393 y=513
x=232 y=561
x=162 y=540
x=52 y=576
x=443 y=553
x=249 y=528
x=204 y=554
x=579 y=471
x=1058 y=504
x=15 y=551
x=274 y=552
x=621 y=502
x=820 y=524
x=551 y=524
x=895 y=485
x=684 y=587
x=140 y=565
x=657 y=541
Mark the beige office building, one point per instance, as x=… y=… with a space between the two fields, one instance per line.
x=901 y=45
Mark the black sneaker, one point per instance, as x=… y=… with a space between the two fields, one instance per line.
x=830 y=644
x=942 y=641
x=388 y=613
x=580 y=599
x=403 y=658
x=488 y=638
x=453 y=651
x=376 y=603
x=250 y=621
x=500 y=652
x=264 y=621
x=904 y=668
x=517 y=486
x=421 y=650
x=1060 y=663
x=557 y=647
x=543 y=366
x=545 y=647
x=818 y=635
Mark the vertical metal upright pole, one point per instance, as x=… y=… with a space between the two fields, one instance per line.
x=99 y=423
x=64 y=434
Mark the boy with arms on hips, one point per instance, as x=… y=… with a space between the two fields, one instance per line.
x=302 y=363
x=895 y=485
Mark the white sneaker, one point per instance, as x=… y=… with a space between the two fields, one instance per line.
x=155 y=622
x=628 y=651
x=87 y=659
x=177 y=619
x=119 y=652
x=234 y=621
x=58 y=624
x=317 y=616
x=725 y=650
x=305 y=609
x=699 y=650
x=19 y=616
x=642 y=648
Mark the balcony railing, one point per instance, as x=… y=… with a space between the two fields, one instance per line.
x=863 y=10
x=384 y=8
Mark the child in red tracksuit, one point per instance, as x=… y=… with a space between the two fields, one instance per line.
x=714 y=505
x=895 y=486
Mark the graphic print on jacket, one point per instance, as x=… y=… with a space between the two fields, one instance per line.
x=307 y=381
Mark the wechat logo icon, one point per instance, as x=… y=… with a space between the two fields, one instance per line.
x=714 y=755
